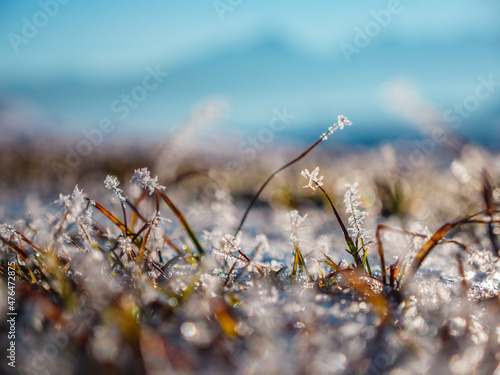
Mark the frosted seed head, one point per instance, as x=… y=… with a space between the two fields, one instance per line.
x=142 y=177
x=342 y=121
x=314 y=179
x=112 y=183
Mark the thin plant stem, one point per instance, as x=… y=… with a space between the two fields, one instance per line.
x=256 y=196
x=183 y=222
x=348 y=239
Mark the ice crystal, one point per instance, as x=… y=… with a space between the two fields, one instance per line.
x=322 y=321
x=230 y=243
x=112 y=183
x=357 y=217
x=75 y=204
x=125 y=244
x=156 y=219
x=341 y=122
x=295 y=222
x=314 y=180
x=142 y=177
x=86 y=221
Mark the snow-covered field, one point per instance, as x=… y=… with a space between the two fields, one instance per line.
x=149 y=275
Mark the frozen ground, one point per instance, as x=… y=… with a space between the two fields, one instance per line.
x=162 y=292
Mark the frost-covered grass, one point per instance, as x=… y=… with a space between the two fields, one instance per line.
x=362 y=270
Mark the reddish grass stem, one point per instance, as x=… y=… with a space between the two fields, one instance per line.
x=256 y=196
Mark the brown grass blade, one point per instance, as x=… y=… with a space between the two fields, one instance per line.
x=431 y=243
x=33 y=245
x=142 y=249
x=397 y=265
x=381 y=254
x=488 y=200
x=112 y=217
x=331 y=263
x=19 y=251
x=461 y=270
x=183 y=221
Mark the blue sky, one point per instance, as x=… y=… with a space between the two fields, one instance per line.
x=114 y=36
x=99 y=49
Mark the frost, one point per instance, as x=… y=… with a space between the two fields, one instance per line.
x=230 y=243
x=142 y=177
x=125 y=244
x=295 y=221
x=238 y=301
x=156 y=219
x=357 y=217
x=112 y=183
x=75 y=204
x=314 y=180
x=341 y=122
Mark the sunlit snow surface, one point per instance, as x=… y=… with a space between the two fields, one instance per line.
x=101 y=305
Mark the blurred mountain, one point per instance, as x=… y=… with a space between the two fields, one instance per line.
x=268 y=72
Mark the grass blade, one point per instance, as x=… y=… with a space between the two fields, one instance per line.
x=183 y=222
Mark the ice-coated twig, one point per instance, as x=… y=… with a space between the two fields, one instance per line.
x=357 y=217
x=341 y=122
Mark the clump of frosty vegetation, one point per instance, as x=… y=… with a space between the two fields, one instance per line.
x=409 y=285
